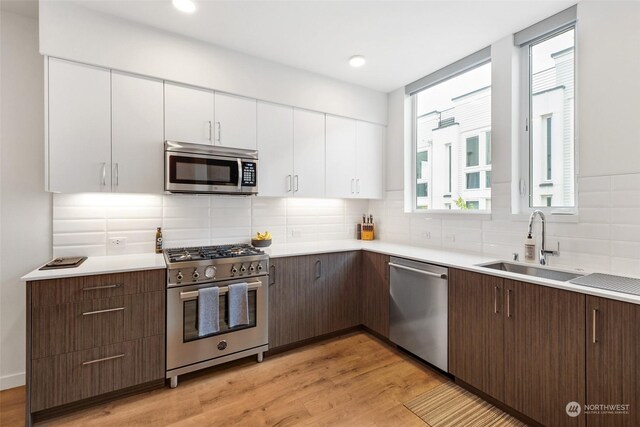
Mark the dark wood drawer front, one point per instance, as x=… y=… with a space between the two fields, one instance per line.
x=74 y=376
x=67 y=328
x=76 y=289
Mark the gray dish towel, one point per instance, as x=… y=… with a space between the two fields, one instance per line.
x=238 y=304
x=208 y=312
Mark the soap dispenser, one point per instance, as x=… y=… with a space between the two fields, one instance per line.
x=529 y=248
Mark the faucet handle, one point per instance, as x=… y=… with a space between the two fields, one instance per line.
x=516 y=256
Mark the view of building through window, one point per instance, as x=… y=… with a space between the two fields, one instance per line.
x=552 y=121
x=453 y=142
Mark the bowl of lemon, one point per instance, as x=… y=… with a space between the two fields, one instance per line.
x=261 y=240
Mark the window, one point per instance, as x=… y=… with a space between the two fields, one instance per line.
x=487 y=179
x=473 y=156
x=473 y=180
x=548 y=59
x=452 y=122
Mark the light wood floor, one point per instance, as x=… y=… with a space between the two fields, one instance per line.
x=352 y=380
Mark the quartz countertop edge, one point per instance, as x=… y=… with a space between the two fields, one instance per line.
x=95 y=265
x=447 y=258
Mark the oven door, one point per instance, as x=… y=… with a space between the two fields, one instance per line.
x=184 y=344
x=202 y=173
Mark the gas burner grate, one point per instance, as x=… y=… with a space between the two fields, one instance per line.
x=211 y=252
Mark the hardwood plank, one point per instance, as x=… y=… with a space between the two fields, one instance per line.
x=354 y=379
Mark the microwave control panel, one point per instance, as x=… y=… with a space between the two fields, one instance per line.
x=249 y=174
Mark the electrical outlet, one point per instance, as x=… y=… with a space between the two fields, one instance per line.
x=426 y=235
x=450 y=237
x=118 y=242
x=296 y=233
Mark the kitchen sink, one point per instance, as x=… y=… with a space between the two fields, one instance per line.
x=530 y=270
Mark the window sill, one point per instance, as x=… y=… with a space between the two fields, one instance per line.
x=551 y=216
x=444 y=213
x=546 y=184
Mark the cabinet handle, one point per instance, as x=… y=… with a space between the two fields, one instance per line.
x=219 y=126
x=95 y=288
x=495 y=300
x=296 y=186
x=272 y=280
x=508 y=302
x=209 y=137
x=289 y=183
x=594 y=335
x=352 y=182
x=358 y=185
x=318 y=269
x=104 y=359
x=117 y=173
x=109 y=310
x=104 y=174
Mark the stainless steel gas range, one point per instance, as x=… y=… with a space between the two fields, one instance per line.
x=189 y=271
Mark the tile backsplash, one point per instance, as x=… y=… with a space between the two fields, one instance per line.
x=605 y=236
x=83 y=224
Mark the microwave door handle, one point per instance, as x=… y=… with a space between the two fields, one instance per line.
x=239 y=174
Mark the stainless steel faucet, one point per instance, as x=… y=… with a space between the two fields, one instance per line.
x=543 y=250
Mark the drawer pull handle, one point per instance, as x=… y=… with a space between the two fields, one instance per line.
x=109 y=310
x=95 y=288
x=104 y=359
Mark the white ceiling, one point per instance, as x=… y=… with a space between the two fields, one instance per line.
x=402 y=40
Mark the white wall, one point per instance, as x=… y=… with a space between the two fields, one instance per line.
x=605 y=236
x=25 y=216
x=72 y=32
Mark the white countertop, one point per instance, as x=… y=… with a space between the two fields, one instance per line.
x=462 y=260
x=103 y=265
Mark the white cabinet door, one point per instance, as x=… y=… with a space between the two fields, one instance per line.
x=235 y=121
x=137 y=134
x=308 y=153
x=188 y=114
x=341 y=157
x=369 y=163
x=275 y=150
x=79 y=123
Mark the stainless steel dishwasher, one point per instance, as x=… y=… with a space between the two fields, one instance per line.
x=418 y=323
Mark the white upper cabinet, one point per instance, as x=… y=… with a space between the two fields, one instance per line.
x=188 y=114
x=308 y=153
x=79 y=127
x=341 y=157
x=369 y=161
x=137 y=134
x=235 y=121
x=275 y=148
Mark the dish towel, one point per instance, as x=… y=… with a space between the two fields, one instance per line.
x=208 y=314
x=238 y=304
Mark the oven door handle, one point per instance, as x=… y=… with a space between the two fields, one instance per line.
x=190 y=295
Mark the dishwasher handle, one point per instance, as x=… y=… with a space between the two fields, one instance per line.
x=416 y=270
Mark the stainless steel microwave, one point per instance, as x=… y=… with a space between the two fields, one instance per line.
x=202 y=169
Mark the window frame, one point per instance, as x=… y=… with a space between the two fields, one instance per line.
x=475 y=60
x=524 y=204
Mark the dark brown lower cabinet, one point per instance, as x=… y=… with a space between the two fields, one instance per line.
x=312 y=295
x=374 y=296
x=544 y=352
x=613 y=362
x=476 y=330
x=520 y=343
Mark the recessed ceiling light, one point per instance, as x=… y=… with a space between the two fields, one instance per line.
x=357 y=61
x=186 y=6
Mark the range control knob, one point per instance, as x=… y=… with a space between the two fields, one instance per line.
x=243 y=269
x=179 y=276
x=210 y=272
x=196 y=274
x=259 y=267
x=252 y=268
x=234 y=269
